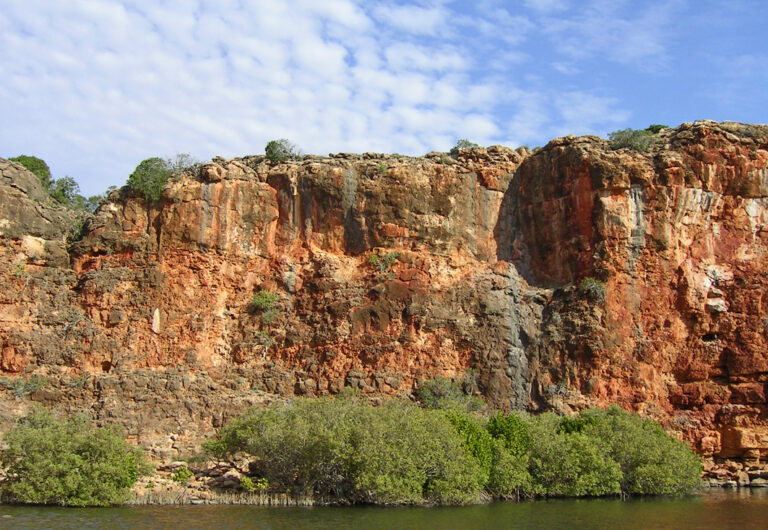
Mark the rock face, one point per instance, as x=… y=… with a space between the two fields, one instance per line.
x=390 y=270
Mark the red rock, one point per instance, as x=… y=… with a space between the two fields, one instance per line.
x=492 y=246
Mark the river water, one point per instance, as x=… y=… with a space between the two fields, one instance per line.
x=714 y=509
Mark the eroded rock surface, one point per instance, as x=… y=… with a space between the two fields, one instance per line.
x=390 y=270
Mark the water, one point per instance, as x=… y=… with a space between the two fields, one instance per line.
x=715 y=509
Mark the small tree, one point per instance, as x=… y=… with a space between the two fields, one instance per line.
x=66 y=191
x=181 y=161
x=149 y=178
x=462 y=144
x=68 y=462
x=656 y=128
x=639 y=140
x=36 y=166
x=281 y=151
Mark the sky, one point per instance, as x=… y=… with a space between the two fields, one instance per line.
x=95 y=86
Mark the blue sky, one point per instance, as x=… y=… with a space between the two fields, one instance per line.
x=94 y=87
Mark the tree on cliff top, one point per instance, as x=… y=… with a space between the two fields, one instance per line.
x=65 y=190
x=149 y=178
x=281 y=150
x=36 y=166
x=463 y=143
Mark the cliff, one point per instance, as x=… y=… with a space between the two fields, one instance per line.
x=147 y=318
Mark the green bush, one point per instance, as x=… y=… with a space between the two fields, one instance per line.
x=281 y=151
x=509 y=477
x=36 y=166
x=250 y=486
x=182 y=475
x=512 y=431
x=149 y=178
x=65 y=190
x=651 y=461
x=569 y=464
x=445 y=393
x=475 y=439
x=345 y=450
x=637 y=139
x=264 y=301
x=21 y=387
x=462 y=144
x=68 y=462
x=385 y=262
x=655 y=128
x=592 y=289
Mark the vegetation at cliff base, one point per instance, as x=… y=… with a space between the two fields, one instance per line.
x=67 y=462
x=346 y=451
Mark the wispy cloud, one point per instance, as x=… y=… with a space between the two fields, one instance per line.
x=617 y=30
x=94 y=87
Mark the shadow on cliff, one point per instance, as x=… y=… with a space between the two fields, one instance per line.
x=511 y=245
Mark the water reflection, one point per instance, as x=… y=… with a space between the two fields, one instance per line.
x=714 y=509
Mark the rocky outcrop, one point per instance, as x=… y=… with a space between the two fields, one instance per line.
x=390 y=270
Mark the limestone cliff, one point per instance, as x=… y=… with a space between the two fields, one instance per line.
x=147 y=319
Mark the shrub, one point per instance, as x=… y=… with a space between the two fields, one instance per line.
x=592 y=289
x=65 y=190
x=445 y=393
x=149 y=178
x=36 y=166
x=269 y=316
x=462 y=144
x=345 y=450
x=512 y=431
x=475 y=439
x=250 y=486
x=348 y=451
x=655 y=128
x=68 y=462
x=569 y=464
x=264 y=301
x=182 y=475
x=247 y=484
x=509 y=477
x=385 y=262
x=651 y=461
x=21 y=387
x=181 y=162
x=639 y=140
x=281 y=151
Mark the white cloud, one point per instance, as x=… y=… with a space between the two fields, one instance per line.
x=95 y=87
x=585 y=113
x=626 y=33
x=413 y=19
